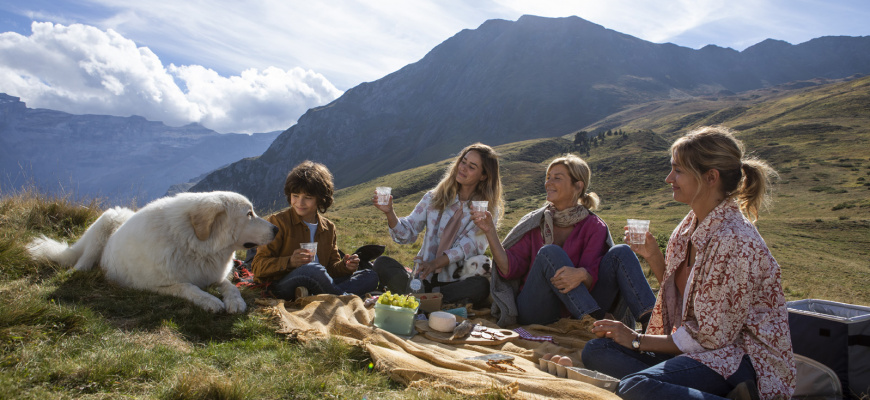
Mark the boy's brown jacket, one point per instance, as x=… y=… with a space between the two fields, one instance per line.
x=272 y=261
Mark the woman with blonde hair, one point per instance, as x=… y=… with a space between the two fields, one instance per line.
x=720 y=323
x=559 y=261
x=451 y=235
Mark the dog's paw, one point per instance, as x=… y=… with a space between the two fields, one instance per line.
x=235 y=304
x=211 y=304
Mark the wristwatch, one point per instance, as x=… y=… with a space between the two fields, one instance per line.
x=635 y=344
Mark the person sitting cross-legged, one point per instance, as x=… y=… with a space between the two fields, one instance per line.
x=291 y=271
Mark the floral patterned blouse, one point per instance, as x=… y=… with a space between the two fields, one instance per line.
x=470 y=240
x=733 y=302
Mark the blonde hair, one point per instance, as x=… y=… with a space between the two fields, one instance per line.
x=579 y=171
x=748 y=180
x=488 y=189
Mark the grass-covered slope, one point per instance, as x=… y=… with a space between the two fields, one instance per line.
x=74 y=335
x=816 y=134
x=66 y=334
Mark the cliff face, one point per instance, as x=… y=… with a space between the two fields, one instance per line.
x=120 y=159
x=508 y=81
x=502 y=82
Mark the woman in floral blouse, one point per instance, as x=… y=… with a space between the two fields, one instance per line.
x=451 y=235
x=720 y=324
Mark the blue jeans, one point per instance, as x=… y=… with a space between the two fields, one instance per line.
x=315 y=278
x=619 y=277
x=660 y=376
x=622 y=287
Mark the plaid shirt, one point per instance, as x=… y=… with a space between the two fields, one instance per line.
x=470 y=240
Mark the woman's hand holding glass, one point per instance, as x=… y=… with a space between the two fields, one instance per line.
x=385 y=208
x=648 y=249
x=483 y=220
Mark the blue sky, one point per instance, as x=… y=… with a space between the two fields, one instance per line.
x=243 y=66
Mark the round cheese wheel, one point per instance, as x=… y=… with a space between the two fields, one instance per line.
x=442 y=321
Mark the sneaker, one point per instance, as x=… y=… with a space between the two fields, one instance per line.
x=301 y=291
x=746 y=390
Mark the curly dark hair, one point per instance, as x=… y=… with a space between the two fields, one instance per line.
x=311 y=178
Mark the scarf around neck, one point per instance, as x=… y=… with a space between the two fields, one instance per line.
x=448 y=235
x=565 y=218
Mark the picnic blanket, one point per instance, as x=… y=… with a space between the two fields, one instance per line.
x=420 y=363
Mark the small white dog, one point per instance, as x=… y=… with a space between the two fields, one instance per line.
x=175 y=245
x=472 y=266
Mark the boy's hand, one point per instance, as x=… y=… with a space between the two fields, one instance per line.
x=301 y=257
x=351 y=262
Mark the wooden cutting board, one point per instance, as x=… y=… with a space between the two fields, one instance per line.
x=444 y=337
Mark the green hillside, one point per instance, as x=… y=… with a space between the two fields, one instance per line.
x=68 y=334
x=814 y=133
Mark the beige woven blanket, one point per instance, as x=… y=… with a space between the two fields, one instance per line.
x=419 y=362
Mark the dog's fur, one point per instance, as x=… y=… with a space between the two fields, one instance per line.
x=473 y=266
x=175 y=245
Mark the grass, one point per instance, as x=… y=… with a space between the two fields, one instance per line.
x=816 y=137
x=67 y=334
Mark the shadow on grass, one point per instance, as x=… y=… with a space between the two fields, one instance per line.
x=139 y=310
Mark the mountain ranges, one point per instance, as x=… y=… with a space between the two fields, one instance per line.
x=504 y=82
x=508 y=81
x=122 y=160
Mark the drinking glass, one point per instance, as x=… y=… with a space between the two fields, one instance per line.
x=383 y=193
x=637 y=229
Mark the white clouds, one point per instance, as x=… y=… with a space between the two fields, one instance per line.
x=254 y=98
x=81 y=69
x=233 y=58
x=349 y=41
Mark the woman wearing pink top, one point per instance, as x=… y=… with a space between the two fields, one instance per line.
x=720 y=324
x=559 y=261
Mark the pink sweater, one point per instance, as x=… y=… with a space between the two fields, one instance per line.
x=585 y=247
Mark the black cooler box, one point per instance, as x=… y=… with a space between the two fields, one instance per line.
x=837 y=335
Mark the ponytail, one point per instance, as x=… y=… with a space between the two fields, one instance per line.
x=748 y=181
x=590 y=200
x=753 y=192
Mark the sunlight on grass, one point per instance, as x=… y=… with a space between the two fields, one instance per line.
x=73 y=334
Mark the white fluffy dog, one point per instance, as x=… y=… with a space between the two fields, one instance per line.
x=472 y=266
x=175 y=245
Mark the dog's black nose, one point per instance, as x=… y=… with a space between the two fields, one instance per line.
x=274 y=230
x=486 y=267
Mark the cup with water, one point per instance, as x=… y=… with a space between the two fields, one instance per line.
x=383 y=193
x=312 y=247
x=479 y=205
x=637 y=229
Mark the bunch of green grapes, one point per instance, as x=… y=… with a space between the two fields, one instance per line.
x=399 y=300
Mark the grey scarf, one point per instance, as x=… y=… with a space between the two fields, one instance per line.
x=504 y=292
